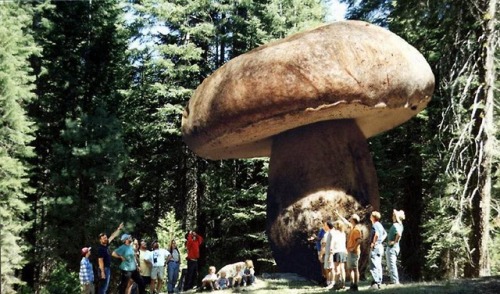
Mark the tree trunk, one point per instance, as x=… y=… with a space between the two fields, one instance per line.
x=191 y=203
x=484 y=133
x=413 y=204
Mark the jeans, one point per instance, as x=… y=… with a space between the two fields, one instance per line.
x=104 y=284
x=376 y=263
x=391 y=256
x=173 y=275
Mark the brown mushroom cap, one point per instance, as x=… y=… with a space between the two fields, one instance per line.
x=348 y=69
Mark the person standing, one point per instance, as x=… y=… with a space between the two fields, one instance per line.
x=128 y=265
x=173 y=266
x=328 y=254
x=339 y=254
x=354 y=240
x=317 y=239
x=86 y=272
x=193 y=242
x=393 y=238
x=377 y=236
x=104 y=259
x=145 y=264
x=158 y=259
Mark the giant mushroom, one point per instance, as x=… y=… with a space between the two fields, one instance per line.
x=309 y=102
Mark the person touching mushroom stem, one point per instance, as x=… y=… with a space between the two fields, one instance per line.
x=310 y=102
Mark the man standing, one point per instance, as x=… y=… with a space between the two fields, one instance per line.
x=86 y=272
x=145 y=263
x=377 y=236
x=193 y=242
x=354 y=240
x=104 y=259
x=158 y=258
x=128 y=265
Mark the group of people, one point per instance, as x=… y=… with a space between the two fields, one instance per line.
x=140 y=267
x=232 y=275
x=336 y=251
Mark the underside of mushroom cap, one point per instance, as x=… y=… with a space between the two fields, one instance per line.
x=345 y=70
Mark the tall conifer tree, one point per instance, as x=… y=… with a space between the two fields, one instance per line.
x=79 y=145
x=16 y=85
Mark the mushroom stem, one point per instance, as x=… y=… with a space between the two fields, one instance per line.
x=315 y=170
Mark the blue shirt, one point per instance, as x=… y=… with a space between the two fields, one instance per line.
x=128 y=253
x=379 y=229
x=319 y=237
x=86 y=272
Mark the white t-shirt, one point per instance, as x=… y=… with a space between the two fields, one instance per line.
x=160 y=255
x=338 y=241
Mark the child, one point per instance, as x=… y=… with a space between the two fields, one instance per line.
x=238 y=276
x=209 y=280
x=248 y=273
x=222 y=282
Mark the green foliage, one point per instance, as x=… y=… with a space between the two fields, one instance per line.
x=61 y=280
x=79 y=143
x=168 y=229
x=16 y=133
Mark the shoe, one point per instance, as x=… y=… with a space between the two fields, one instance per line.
x=353 y=288
x=375 y=286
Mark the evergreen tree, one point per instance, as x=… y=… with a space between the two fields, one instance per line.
x=16 y=133
x=79 y=144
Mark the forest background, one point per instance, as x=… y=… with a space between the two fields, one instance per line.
x=91 y=98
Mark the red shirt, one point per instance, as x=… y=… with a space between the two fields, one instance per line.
x=193 y=246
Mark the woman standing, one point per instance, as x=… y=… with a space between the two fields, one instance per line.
x=393 y=238
x=173 y=266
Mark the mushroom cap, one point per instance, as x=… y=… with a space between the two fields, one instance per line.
x=344 y=70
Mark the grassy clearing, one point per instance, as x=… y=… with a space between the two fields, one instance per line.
x=487 y=285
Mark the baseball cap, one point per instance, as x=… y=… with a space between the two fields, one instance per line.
x=355 y=217
x=125 y=237
x=85 y=250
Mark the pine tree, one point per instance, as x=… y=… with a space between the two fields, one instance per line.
x=16 y=133
x=79 y=145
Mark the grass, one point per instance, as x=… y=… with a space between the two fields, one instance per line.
x=486 y=285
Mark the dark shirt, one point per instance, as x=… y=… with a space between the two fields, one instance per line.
x=103 y=252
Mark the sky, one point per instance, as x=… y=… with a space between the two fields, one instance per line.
x=336 y=11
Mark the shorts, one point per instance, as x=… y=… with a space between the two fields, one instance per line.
x=146 y=279
x=157 y=272
x=352 y=260
x=328 y=262
x=340 y=257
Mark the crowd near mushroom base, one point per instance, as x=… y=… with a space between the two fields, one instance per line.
x=316 y=170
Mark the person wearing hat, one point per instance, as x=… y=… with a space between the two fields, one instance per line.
x=393 y=238
x=353 y=246
x=128 y=265
x=86 y=272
